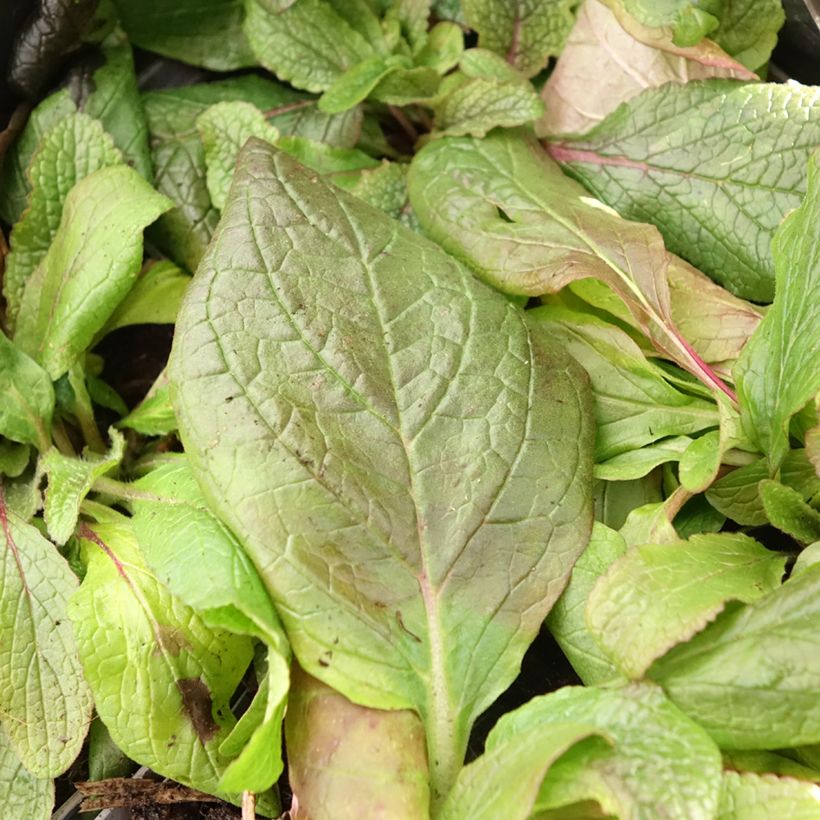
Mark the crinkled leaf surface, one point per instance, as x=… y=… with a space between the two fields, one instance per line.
x=658 y=595
x=69 y=481
x=751 y=677
x=505 y=780
x=308 y=44
x=525 y=32
x=74 y=148
x=747 y=796
x=634 y=404
x=602 y=65
x=748 y=30
x=201 y=32
x=567 y=621
x=504 y=207
x=787 y=511
x=659 y=762
x=714 y=164
x=444 y=424
x=347 y=762
x=22 y=794
x=28 y=397
x=779 y=369
x=161 y=678
x=45 y=703
x=91 y=265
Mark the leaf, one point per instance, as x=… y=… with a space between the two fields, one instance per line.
x=47 y=37
x=603 y=65
x=761 y=796
x=658 y=595
x=224 y=128
x=614 y=500
x=358 y=82
x=737 y=494
x=779 y=369
x=634 y=464
x=154 y=415
x=407 y=86
x=652 y=523
x=634 y=404
x=138 y=642
x=660 y=763
x=750 y=678
x=70 y=480
x=73 y=149
x=689 y=20
x=748 y=30
x=502 y=206
x=387 y=453
x=505 y=780
x=105 y=760
x=207 y=34
x=442 y=49
x=525 y=32
x=45 y=704
x=91 y=265
x=346 y=761
x=154 y=299
x=485 y=94
x=767 y=763
x=28 y=397
x=14 y=458
x=787 y=511
x=307 y=43
x=22 y=794
x=714 y=164
x=566 y=621
x=385 y=188
x=203 y=565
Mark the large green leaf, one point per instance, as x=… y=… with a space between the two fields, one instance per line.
x=603 y=65
x=634 y=404
x=200 y=32
x=747 y=796
x=525 y=32
x=715 y=165
x=658 y=595
x=779 y=369
x=161 y=678
x=347 y=762
x=91 y=265
x=751 y=677
x=308 y=43
x=567 y=620
x=73 y=148
x=659 y=764
x=444 y=424
x=21 y=794
x=45 y=703
x=28 y=397
x=504 y=207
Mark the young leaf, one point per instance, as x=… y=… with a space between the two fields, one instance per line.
x=154 y=299
x=566 y=620
x=69 y=482
x=748 y=30
x=505 y=780
x=357 y=82
x=154 y=415
x=652 y=523
x=207 y=34
x=634 y=404
x=161 y=678
x=525 y=32
x=714 y=164
x=442 y=49
x=659 y=762
x=307 y=44
x=347 y=762
x=787 y=511
x=658 y=595
x=91 y=265
x=387 y=456
x=602 y=65
x=28 y=397
x=74 y=148
x=614 y=500
x=504 y=207
x=22 y=794
x=45 y=703
x=760 y=796
x=638 y=463
x=779 y=369
x=731 y=678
